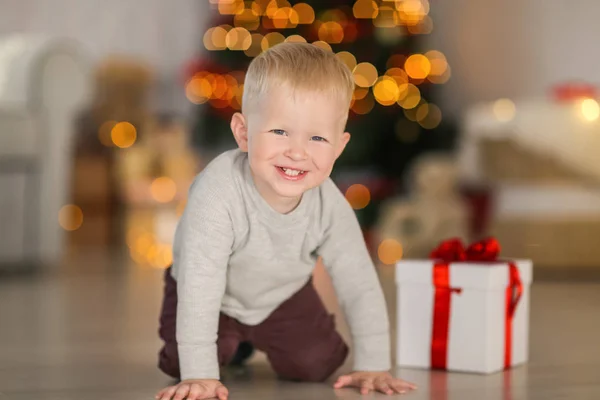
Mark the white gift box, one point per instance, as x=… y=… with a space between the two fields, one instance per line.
x=477 y=329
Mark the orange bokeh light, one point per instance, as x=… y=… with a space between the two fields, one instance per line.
x=358 y=196
x=390 y=251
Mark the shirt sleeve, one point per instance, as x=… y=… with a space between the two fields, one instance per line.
x=345 y=256
x=204 y=241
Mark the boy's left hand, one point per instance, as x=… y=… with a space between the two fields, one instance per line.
x=383 y=382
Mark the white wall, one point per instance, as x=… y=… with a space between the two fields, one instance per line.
x=165 y=33
x=514 y=48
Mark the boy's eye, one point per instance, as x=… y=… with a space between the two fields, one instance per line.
x=279 y=132
x=318 y=139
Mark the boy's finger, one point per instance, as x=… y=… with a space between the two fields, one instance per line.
x=194 y=392
x=342 y=381
x=168 y=393
x=366 y=387
x=398 y=388
x=406 y=385
x=222 y=393
x=182 y=392
x=384 y=388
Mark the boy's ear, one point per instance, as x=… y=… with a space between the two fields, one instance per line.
x=240 y=131
x=342 y=144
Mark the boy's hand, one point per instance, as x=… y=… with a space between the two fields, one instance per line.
x=197 y=389
x=383 y=382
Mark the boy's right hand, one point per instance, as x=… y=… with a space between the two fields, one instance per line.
x=194 y=389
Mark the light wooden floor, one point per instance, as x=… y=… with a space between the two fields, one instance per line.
x=88 y=332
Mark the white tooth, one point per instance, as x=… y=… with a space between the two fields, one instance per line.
x=291 y=172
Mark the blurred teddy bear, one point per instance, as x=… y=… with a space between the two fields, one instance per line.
x=433 y=212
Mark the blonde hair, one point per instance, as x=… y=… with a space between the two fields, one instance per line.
x=299 y=66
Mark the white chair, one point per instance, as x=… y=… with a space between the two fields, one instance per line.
x=44 y=82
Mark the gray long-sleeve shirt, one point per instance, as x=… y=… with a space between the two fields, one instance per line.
x=234 y=254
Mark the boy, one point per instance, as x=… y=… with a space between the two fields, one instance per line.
x=256 y=220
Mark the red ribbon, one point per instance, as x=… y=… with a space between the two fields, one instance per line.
x=453 y=251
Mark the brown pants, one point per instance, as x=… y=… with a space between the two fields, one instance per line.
x=299 y=338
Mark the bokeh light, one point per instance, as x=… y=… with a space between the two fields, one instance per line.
x=132 y=236
x=410 y=96
x=259 y=7
x=238 y=39
x=123 y=134
x=214 y=38
x=145 y=250
x=295 y=39
x=412 y=12
x=231 y=7
x=590 y=109
x=386 y=18
x=411 y=113
x=198 y=90
x=437 y=61
x=365 y=74
x=104 y=133
x=163 y=189
x=331 y=32
x=271 y=39
x=249 y=19
x=424 y=27
x=441 y=79
x=504 y=110
x=70 y=217
x=365 y=9
x=386 y=91
x=255 y=46
x=389 y=251
x=417 y=66
x=285 y=17
x=360 y=93
x=218 y=85
x=323 y=45
x=347 y=58
x=398 y=74
x=429 y=116
x=306 y=14
x=274 y=5
x=364 y=105
x=358 y=196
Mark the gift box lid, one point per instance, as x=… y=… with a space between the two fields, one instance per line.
x=476 y=275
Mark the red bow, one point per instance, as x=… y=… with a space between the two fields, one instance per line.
x=452 y=250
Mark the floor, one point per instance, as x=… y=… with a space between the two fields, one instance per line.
x=88 y=332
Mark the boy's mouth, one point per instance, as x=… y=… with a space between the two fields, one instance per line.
x=291 y=173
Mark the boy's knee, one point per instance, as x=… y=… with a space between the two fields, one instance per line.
x=318 y=364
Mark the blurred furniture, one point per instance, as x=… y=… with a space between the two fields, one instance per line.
x=154 y=178
x=541 y=160
x=121 y=88
x=43 y=82
x=434 y=211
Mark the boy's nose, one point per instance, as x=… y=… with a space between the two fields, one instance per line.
x=296 y=151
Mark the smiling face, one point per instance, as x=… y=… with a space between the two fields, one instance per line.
x=293 y=139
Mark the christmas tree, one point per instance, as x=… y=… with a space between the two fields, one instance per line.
x=393 y=116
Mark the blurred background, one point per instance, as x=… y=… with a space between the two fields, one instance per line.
x=469 y=119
